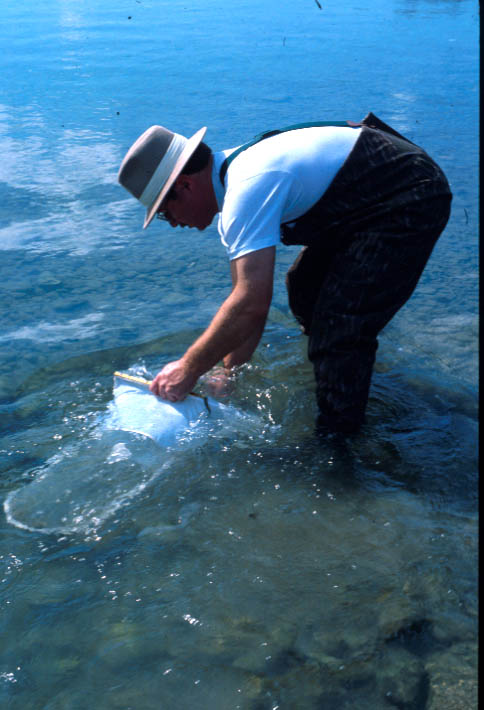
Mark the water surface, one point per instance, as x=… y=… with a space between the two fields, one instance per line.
x=253 y=565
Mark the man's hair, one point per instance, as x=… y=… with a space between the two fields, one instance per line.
x=199 y=160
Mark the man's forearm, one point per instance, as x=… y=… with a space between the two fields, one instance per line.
x=232 y=335
x=245 y=351
x=234 y=331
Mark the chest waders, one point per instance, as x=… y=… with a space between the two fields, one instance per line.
x=365 y=245
x=305 y=230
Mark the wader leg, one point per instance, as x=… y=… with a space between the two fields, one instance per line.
x=368 y=282
x=303 y=283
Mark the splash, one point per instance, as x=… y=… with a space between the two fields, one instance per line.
x=137 y=441
x=83 y=485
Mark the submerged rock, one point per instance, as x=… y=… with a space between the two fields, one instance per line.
x=402 y=679
x=453 y=678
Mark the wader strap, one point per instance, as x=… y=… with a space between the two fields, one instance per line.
x=268 y=134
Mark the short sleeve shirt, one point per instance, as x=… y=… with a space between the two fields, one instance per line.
x=276 y=181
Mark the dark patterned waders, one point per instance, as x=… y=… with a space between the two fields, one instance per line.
x=366 y=243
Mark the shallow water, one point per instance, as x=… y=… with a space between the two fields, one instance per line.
x=252 y=565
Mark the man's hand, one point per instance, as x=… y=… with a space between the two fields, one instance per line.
x=219 y=382
x=174 y=381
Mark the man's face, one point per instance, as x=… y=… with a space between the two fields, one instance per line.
x=186 y=205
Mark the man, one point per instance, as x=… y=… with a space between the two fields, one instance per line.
x=366 y=204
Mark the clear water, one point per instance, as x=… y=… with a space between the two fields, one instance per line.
x=252 y=565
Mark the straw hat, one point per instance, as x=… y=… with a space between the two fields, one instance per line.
x=153 y=163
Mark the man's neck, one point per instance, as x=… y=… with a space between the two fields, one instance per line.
x=207 y=182
x=217 y=187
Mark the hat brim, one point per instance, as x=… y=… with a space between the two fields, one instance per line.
x=190 y=147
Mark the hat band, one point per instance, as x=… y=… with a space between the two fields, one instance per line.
x=163 y=171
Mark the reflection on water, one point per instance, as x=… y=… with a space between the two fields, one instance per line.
x=253 y=564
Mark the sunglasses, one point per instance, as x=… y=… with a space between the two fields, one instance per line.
x=162 y=212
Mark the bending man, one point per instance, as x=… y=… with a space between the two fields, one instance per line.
x=365 y=203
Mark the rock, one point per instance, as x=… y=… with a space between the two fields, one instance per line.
x=396 y=613
x=401 y=679
x=455 y=627
x=453 y=678
x=457 y=696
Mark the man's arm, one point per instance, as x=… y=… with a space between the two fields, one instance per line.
x=244 y=352
x=234 y=331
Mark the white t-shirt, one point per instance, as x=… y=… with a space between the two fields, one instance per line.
x=276 y=181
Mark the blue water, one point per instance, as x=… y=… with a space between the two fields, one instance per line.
x=252 y=565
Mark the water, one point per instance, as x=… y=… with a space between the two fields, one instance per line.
x=252 y=565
